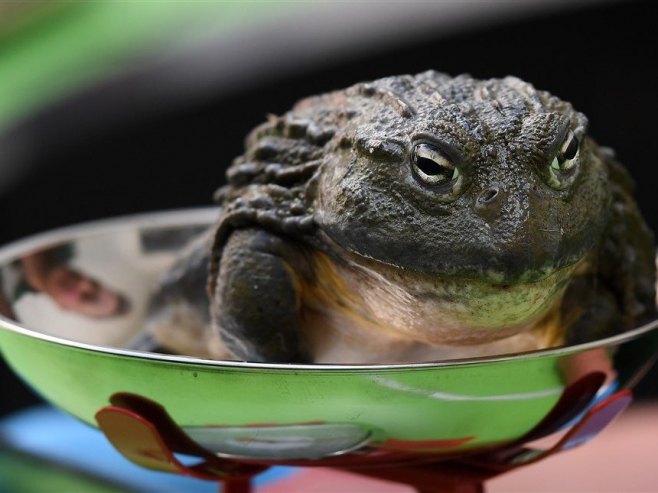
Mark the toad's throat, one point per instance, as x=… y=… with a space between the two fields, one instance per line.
x=358 y=295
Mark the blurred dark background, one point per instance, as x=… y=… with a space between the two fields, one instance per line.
x=132 y=143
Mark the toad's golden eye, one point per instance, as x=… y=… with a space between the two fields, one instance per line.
x=562 y=169
x=431 y=166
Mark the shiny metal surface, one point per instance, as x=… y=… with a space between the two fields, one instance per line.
x=75 y=299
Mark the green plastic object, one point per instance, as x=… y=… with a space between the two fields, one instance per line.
x=52 y=49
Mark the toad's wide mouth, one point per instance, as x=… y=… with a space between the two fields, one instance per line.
x=466 y=274
x=486 y=266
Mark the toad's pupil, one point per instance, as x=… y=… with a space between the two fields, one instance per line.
x=431 y=168
x=571 y=148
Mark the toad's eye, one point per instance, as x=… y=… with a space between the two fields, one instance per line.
x=431 y=166
x=569 y=147
x=565 y=158
x=563 y=166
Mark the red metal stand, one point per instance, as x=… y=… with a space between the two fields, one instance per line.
x=144 y=433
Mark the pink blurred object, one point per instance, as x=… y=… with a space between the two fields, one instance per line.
x=623 y=458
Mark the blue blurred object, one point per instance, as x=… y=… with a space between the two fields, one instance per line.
x=48 y=434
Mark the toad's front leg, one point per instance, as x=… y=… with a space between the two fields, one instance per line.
x=255 y=299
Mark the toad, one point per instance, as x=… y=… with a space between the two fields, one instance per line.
x=414 y=218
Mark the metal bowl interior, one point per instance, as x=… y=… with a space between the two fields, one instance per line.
x=79 y=360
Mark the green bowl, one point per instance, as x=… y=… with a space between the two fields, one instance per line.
x=289 y=412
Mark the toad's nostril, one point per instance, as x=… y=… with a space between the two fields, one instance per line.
x=487 y=196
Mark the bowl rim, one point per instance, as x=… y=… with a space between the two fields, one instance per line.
x=207 y=215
